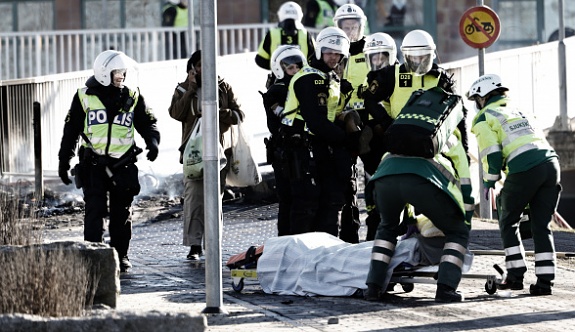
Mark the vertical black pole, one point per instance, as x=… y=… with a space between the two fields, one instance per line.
x=39 y=181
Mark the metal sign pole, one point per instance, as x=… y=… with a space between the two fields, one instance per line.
x=210 y=132
x=563 y=116
x=485 y=210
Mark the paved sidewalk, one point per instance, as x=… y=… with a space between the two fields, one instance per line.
x=162 y=279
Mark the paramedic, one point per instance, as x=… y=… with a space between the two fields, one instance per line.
x=105 y=113
x=287 y=60
x=509 y=142
x=439 y=188
x=324 y=153
x=390 y=87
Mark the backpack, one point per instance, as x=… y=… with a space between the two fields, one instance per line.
x=424 y=124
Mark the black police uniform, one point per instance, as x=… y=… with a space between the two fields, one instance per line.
x=95 y=179
x=276 y=150
x=324 y=157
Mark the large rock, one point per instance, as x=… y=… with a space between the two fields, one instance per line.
x=103 y=261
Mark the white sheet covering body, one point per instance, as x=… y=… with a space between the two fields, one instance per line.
x=313 y=264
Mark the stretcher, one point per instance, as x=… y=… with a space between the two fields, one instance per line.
x=407 y=277
x=243 y=266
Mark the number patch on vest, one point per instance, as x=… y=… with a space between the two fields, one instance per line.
x=405 y=80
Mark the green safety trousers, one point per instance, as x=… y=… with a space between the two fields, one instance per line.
x=539 y=188
x=391 y=194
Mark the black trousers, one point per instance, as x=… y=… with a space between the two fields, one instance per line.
x=318 y=194
x=101 y=191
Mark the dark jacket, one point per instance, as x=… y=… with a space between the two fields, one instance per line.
x=185 y=107
x=114 y=99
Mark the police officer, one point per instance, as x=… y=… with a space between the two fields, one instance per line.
x=289 y=31
x=175 y=14
x=390 y=87
x=351 y=19
x=325 y=149
x=380 y=52
x=509 y=142
x=105 y=113
x=319 y=13
x=287 y=60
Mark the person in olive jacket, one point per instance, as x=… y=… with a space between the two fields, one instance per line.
x=186 y=108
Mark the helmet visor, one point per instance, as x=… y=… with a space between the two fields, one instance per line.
x=291 y=64
x=377 y=60
x=352 y=27
x=419 y=64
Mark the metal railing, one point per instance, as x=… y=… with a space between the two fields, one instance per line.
x=33 y=54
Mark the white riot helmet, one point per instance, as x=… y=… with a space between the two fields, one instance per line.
x=290 y=10
x=284 y=56
x=174 y=2
x=332 y=38
x=351 y=19
x=380 y=51
x=484 y=85
x=418 y=51
x=111 y=60
x=342 y=2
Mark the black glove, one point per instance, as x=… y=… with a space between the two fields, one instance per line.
x=345 y=87
x=153 y=150
x=360 y=90
x=63 y=168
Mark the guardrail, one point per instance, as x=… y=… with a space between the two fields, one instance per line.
x=531 y=74
x=32 y=54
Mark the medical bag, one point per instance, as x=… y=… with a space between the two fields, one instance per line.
x=425 y=123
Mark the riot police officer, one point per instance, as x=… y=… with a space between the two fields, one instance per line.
x=287 y=60
x=351 y=19
x=289 y=31
x=105 y=113
x=325 y=150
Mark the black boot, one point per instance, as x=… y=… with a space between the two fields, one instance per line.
x=446 y=294
x=125 y=264
x=511 y=282
x=542 y=287
x=372 y=293
x=195 y=253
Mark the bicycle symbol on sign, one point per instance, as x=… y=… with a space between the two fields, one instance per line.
x=471 y=28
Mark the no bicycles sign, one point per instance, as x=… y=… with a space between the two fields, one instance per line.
x=479 y=27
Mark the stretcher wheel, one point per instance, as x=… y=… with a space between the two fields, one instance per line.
x=408 y=288
x=490 y=288
x=239 y=286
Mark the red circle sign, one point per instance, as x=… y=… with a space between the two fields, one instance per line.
x=479 y=27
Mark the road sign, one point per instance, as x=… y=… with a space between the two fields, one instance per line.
x=479 y=27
